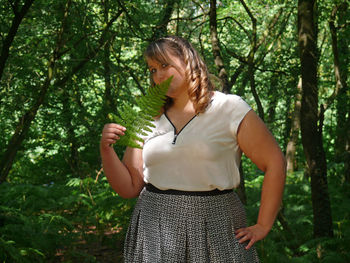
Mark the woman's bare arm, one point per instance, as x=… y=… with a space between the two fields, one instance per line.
x=126 y=176
x=259 y=145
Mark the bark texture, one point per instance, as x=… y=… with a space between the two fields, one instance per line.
x=215 y=43
x=16 y=21
x=294 y=131
x=311 y=133
x=341 y=60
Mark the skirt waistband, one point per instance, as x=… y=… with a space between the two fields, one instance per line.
x=152 y=188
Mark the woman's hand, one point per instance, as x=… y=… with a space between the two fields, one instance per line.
x=258 y=144
x=253 y=234
x=111 y=133
x=125 y=176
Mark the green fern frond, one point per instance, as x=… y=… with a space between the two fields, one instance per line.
x=138 y=123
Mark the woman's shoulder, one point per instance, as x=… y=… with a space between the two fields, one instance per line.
x=233 y=107
x=231 y=100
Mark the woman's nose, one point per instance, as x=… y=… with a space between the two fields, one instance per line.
x=159 y=77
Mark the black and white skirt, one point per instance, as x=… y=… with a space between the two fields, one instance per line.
x=174 y=226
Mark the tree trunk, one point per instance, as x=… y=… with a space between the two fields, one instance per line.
x=108 y=105
x=73 y=158
x=161 y=30
x=215 y=43
x=240 y=190
x=272 y=102
x=250 y=61
x=341 y=61
x=16 y=21
x=347 y=151
x=294 y=131
x=236 y=74
x=310 y=132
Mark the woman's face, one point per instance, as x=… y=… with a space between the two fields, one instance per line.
x=161 y=72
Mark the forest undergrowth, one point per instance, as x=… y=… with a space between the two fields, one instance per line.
x=85 y=221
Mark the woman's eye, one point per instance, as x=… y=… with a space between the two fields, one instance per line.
x=164 y=65
x=153 y=70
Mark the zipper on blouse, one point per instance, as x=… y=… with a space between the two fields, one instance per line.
x=174 y=141
x=176 y=134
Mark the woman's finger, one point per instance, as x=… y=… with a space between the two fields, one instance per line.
x=110 y=141
x=240 y=232
x=113 y=130
x=243 y=239
x=115 y=126
x=251 y=243
x=114 y=134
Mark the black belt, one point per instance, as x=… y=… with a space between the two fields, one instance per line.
x=152 y=188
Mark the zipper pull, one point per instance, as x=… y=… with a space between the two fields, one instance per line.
x=174 y=141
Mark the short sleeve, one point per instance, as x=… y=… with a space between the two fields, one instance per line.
x=238 y=109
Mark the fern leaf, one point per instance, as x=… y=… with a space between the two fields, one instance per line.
x=139 y=123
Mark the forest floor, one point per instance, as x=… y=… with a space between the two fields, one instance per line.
x=94 y=246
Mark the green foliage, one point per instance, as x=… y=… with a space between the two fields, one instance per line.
x=138 y=123
x=296 y=243
x=37 y=221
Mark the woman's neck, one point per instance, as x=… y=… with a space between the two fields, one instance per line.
x=182 y=104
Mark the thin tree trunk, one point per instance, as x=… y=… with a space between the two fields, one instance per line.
x=108 y=101
x=240 y=190
x=73 y=158
x=215 y=43
x=251 y=75
x=161 y=30
x=310 y=132
x=347 y=151
x=273 y=100
x=16 y=21
x=250 y=61
x=294 y=131
x=341 y=62
x=236 y=74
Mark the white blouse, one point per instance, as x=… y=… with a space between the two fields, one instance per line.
x=204 y=155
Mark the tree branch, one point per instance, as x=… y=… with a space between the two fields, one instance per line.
x=16 y=21
x=236 y=21
x=121 y=5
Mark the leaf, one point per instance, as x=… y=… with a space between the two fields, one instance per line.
x=140 y=122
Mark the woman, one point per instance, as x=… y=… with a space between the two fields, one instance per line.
x=184 y=176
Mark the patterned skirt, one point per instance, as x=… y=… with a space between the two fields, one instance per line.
x=175 y=227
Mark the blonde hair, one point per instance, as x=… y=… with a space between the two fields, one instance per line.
x=196 y=72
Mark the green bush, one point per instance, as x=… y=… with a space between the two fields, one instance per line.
x=37 y=221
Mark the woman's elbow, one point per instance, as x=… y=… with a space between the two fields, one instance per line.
x=128 y=195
